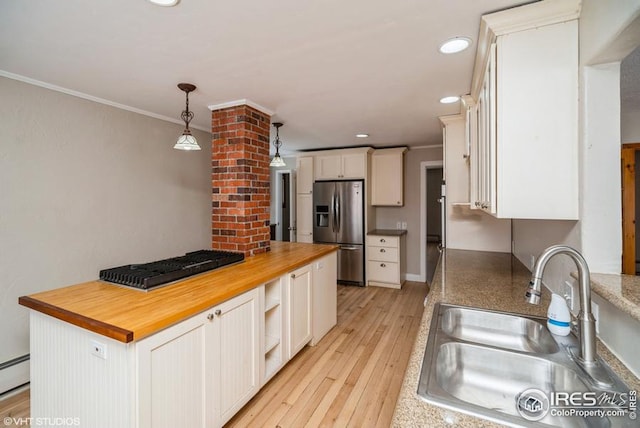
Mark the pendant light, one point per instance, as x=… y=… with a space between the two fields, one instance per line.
x=277 y=160
x=187 y=141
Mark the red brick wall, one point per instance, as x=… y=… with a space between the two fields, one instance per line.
x=240 y=180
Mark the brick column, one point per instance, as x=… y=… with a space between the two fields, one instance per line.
x=240 y=180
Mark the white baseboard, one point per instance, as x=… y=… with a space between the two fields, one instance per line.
x=415 y=277
x=14 y=376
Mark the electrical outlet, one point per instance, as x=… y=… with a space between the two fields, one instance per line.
x=399 y=225
x=569 y=295
x=99 y=349
x=595 y=310
x=404 y=225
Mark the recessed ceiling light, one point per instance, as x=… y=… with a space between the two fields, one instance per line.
x=362 y=135
x=455 y=45
x=449 y=100
x=167 y=3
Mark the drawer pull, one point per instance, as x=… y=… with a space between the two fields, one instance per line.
x=210 y=317
x=382 y=250
x=383 y=265
x=382 y=240
x=218 y=312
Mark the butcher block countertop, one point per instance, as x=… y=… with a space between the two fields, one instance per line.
x=128 y=315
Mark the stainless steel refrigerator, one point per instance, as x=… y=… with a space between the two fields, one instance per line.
x=338 y=218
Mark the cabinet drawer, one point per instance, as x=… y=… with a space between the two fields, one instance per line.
x=383 y=272
x=383 y=254
x=383 y=241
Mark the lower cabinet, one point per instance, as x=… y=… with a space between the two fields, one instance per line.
x=175 y=376
x=386 y=260
x=300 y=300
x=211 y=358
x=236 y=353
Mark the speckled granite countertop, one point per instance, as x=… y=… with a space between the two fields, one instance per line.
x=480 y=279
x=622 y=291
x=387 y=232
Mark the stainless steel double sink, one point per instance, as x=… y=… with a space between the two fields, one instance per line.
x=480 y=362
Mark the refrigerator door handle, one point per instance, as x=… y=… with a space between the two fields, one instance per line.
x=348 y=248
x=338 y=219
x=333 y=212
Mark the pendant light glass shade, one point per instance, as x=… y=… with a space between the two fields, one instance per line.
x=277 y=160
x=186 y=141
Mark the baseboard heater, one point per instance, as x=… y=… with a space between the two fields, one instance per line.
x=14 y=373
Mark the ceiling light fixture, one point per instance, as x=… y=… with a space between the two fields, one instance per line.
x=187 y=141
x=362 y=135
x=449 y=100
x=277 y=160
x=166 y=3
x=455 y=45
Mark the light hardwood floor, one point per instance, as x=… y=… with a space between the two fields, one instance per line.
x=352 y=378
x=15 y=408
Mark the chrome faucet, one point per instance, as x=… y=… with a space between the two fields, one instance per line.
x=586 y=321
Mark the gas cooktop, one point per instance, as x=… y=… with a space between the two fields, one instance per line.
x=154 y=274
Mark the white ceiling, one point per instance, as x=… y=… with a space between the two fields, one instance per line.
x=328 y=68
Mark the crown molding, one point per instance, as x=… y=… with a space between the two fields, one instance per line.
x=242 y=102
x=445 y=120
x=88 y=97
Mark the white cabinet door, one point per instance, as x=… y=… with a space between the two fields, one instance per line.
x=237 y=353
x=175 y=376
x=304 y=218
x=387 y=177
x=300 y=295
x=354 y=165
x=325 y=295
x=304 y=167
x=337 y=166
x=328 y=167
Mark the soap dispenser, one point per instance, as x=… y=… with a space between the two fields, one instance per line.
x=559 y=317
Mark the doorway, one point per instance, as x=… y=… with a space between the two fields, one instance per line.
x=434 y=220
x=431 y=217
x=285 y=201
x=630 y=157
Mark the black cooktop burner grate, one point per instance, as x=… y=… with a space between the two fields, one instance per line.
x=148 y=275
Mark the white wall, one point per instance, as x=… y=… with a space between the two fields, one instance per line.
x=83 y=187
x=468 y=229
x=630 y=126
x=387 y=217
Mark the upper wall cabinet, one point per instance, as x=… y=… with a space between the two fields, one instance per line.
x=341 y=164
x=524 y=124
x=304 y=175
x=387 y=177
